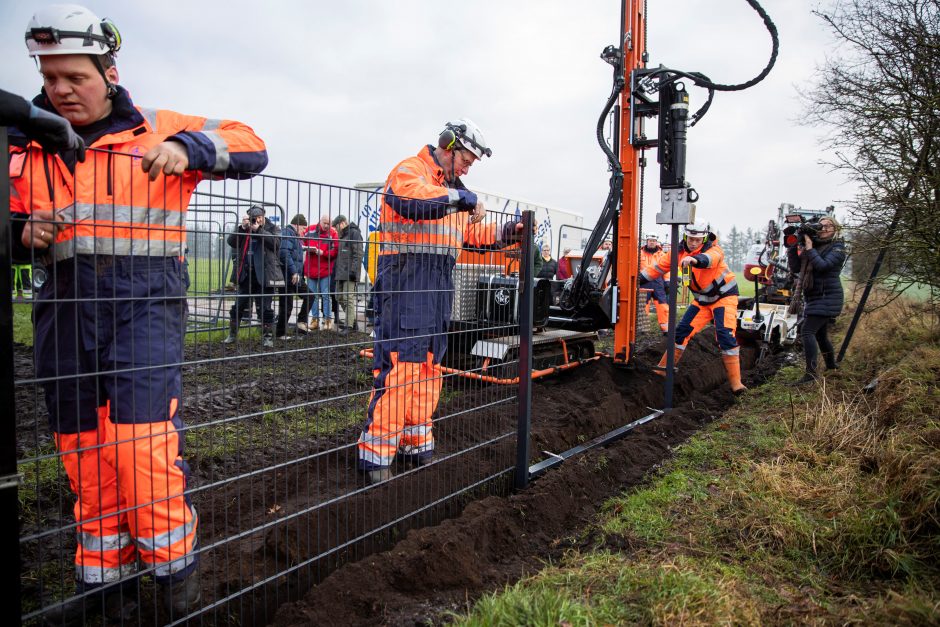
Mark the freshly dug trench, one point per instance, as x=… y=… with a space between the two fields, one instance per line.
x=497 y=540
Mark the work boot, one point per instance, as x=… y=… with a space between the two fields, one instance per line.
x=830 y=359
x=806 y=379
x=733 y=368
x=267 y=336
x=660 y=368
x=232 y=333
x=379 y=475
x=326 y=324
x=314 y=324
x=182 y=597
x=118 y=603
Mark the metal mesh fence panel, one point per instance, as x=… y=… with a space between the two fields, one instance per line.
x=226 y=389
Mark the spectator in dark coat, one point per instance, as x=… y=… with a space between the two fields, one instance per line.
x=347 y=270
x=292 y=264
x=549 y=265
x=819 y=263
x=258 y=271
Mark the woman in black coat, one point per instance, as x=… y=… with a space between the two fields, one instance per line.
x=549 y=266
x=820 y=261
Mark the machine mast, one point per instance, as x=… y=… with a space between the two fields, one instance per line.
x=627 y=222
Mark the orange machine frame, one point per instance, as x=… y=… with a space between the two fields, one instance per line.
x=633 y=45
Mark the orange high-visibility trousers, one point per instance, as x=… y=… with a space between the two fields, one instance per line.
x=134 y=469
x=400 y=409
x=723 y=312
x=105 y=552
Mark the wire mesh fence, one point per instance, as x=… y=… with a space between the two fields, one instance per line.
x=226 y=389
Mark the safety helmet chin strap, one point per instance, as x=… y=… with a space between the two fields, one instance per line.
x=112 y=88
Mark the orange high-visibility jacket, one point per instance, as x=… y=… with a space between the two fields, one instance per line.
x=650 y=258
x=108 y=203
x=420 y=214
x=711 y=279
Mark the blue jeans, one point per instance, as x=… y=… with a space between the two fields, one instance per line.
x=320 y=290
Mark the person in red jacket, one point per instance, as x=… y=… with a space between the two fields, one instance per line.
x=109 y=320
x=716 y=298
x=564 y=266
x=322 y=245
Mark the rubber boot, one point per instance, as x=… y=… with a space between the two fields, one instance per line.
x=232 y=333
x=267 y=336
x=733 y=368
x=182 y=597
x=660 y=368
x=830 y=359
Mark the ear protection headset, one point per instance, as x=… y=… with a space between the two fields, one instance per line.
x=450 y=135
x=453 y=133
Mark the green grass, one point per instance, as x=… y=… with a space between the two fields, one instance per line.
x=608 y=589
x=813 y=505
x=225 y=440
x=23 y=323
x=43 y=478
x=207 y=275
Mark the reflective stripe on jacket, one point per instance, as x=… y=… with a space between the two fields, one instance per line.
x=108 y=203
x=711 y=279
x=420 y=214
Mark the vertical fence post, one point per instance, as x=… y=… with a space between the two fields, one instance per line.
x=9 y=481
x=526 y=306
x=673 y=312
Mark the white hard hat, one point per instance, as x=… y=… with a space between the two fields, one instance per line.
x=466 y=133
x=696 y=229
x=70 y=29
x=652 y=236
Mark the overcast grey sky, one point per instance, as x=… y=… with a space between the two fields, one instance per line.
x=341 y=91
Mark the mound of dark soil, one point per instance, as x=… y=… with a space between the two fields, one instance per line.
x=497 y=540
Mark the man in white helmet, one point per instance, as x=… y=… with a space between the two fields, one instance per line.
x=715 y=291
x=109 y=321
x=650 y=254
x=427 y=216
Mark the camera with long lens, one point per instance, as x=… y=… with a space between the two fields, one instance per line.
x=798 y=226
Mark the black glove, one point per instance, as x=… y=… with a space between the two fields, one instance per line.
x=353 y=276
x=511 y=234
x=53 y=133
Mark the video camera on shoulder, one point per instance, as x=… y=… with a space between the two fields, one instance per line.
x=798 y=226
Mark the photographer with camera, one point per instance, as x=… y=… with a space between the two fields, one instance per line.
x=819 y=255
x=259 y=273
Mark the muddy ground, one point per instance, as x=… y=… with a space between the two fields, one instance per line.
x=497 y=540
x=276 y=489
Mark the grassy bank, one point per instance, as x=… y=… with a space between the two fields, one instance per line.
x=816 y=505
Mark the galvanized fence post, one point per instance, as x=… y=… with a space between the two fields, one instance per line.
x=9 y=480
x=526 y=314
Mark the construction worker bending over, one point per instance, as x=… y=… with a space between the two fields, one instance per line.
x=651 y=254
x=427 y=217
x=716 y=298
x=109 y=320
